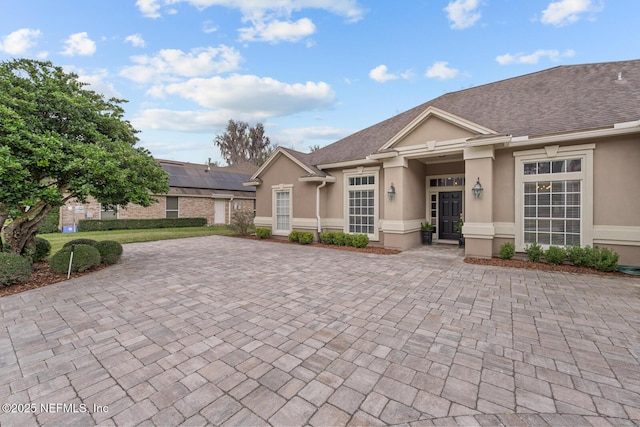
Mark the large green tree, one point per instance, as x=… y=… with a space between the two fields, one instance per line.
x=61 y=141
x=243 y=143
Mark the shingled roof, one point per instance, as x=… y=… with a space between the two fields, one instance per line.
x=191 y=176
x=557 y=100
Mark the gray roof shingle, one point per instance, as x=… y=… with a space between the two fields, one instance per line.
x=557 y=100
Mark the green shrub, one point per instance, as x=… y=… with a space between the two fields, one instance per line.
x=581 y=256
x=110 y=251
x=328 y=237
x=534 y=252
x=263 y=233
x=43 y=249
x=50 y=223
x=340 y=238
x=507 y=250
x=84 y=257
x=14 y=269
x=89 y=242
x=305 y=237
x=604 y=259
x=294 y=236
x=348 y=239
x=360 y=240
x=137 y=224
x=555 y=255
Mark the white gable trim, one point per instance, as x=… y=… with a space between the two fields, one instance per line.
x=441 y=114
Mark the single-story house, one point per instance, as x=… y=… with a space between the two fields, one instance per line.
x=195 y=190
x=555 y=153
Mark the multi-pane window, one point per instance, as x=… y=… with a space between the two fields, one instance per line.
x=361 y=204
x=283 y=210
x=172 y=207
x=552 y=212
x=552 y=203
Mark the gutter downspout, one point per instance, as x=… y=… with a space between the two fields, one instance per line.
x=318 y=205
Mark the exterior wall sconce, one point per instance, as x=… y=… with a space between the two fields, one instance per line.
x=477 y=189
x=392 y=192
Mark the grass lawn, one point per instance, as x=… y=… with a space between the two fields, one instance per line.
x=57 y=240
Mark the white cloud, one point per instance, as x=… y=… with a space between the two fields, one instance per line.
x=168 y=64
x=440 y=70
x=149 y=8
x=462 y=13
x=533 y=58
x=136 y=40
x=276 y=31
x=187 y=121
x=254 y=95
x=251 y=8
x=19 y=41
x=98 y=82
x=381 y=75
x=208 y=27
x=565 y=12
x=79 y=44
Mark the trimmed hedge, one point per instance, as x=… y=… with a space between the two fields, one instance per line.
x=90 y=242
x=507 y=250
x=263 y=233
x=136 y=224
x=110 y=251
x=302 y=237
x=84 y=257
x=43 y=249
x=555 y=255
x=14 y=269
x=343 y=239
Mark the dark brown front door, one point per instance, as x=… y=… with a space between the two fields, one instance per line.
x=450 y=207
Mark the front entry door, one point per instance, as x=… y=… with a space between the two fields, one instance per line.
x=450 y=208
x=218 y=212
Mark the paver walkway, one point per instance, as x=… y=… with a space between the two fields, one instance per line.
x=224 y=331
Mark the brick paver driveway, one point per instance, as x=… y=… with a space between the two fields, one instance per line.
x=224 y=331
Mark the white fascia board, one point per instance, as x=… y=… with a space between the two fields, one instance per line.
x=317 y=179
x=381 y=156
x=623 y=129
x=252 y=183
x=349 y=163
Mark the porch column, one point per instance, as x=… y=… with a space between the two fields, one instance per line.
x=399 y=232
x=478 y=229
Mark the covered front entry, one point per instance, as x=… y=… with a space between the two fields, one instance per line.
x=450 y=208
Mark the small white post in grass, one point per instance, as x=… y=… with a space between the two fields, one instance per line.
x=73 y=247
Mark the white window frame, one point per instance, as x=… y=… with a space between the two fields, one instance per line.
x=167 y=210
x=281 y=188
x=553 y=153
x=436 y=191
x=360 y=172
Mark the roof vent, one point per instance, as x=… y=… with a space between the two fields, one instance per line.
x=619 y=76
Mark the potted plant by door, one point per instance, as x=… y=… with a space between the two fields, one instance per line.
x=426 y=232
x=459 y=230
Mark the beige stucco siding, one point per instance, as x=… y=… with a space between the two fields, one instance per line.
x=414 y=199
x=450 y=168
x=284 y=171
x=503 y=186
x=433 y=129
x=616 y=165
x=332 y=196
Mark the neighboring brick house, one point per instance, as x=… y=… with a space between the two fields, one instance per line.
x=194 y=191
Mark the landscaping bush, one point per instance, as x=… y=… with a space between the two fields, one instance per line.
x=340 y=238
x=555 y=255
x=263 y=233
x=534 y=252
x=507 y=250
x=604 y=259
x=348 y=239
x=294 y=236
x=89 y=242
x=241 y=222
x=360 y=240
x=305 y=237
x=136 y=224
x=43 y=249
x=328 y=237
x=110 y=251
x=84 y=257
x=14 y=269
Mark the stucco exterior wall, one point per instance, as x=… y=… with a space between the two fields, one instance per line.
x=415 y=197
x=433 y=129
x=616 y=168
x=282 y=170
x=449 y=168
x=503 y=186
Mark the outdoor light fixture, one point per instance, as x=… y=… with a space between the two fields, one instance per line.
x=477 y=189
x=392 y=192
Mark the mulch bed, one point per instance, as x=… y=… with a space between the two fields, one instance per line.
x=518 y=263
x=43 y=276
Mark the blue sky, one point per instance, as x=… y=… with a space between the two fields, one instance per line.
x=312 y=71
